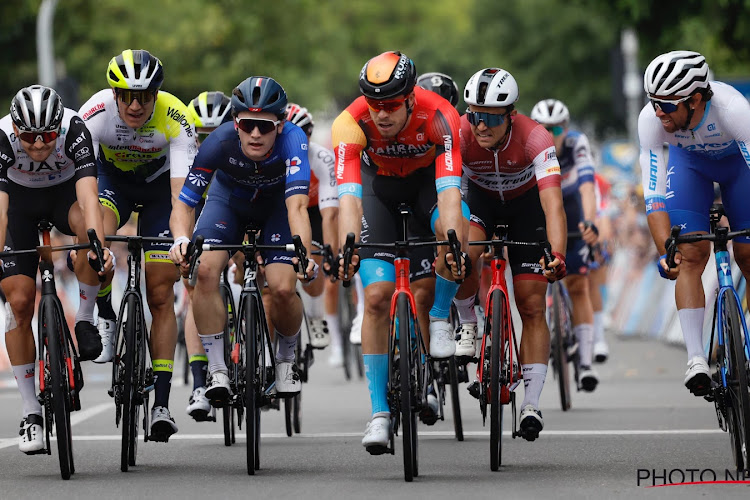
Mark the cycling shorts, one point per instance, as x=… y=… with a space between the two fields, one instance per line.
x=26 y=208
x=225 y=217
x=691 y=192
x=523 y=215
x=121 y=194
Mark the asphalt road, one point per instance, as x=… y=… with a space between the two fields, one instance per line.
x=640 y=423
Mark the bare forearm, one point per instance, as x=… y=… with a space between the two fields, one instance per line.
x=449 y=205
x=330 y=218
x=658 y=224
x=181 y=220
x=588 y=200
x=299 y=221
x=350 y=217
x=554 y=213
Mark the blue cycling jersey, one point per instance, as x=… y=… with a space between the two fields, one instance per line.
x=285 y=169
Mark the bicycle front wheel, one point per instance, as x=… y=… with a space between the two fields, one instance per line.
x=739 y=399
x=560 y=338
x=409 y=429
x=496 y=409
x=57 y=365
x=458 y=426
x=254 y=366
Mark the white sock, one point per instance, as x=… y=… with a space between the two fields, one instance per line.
x=691 y=321
x=465 y=308
x=88 y=301
x=533 y=382
x=360 y=295
x=333 y=328
x=599 y=326
x=285 y=346
x=26 y=380
x=316 y=309
x=214 y=347
x=585 y=335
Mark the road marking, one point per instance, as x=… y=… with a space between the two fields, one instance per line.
x=4 y=443
x=75 y=419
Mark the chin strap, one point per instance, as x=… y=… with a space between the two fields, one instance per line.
x=691 y=112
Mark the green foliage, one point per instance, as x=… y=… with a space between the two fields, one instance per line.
x=316 y=49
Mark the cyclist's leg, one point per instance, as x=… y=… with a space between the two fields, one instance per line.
x=692 y=195
x=19 y=287
x=313 y=292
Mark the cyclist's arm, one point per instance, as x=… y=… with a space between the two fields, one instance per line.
x=444 y=132
x=87 y=193
x=554 y=214
x=78 y=145
x=348 y=142
x=183 y=214
x=7 y=159
x=588 y=200
x=299 y=220
x=4 y=201
x=584 y=164
x=737 y=124
x=654 y=175
x=330 y=218
x=540 y=150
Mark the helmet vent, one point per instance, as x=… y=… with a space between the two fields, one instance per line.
x=256 y=95
x=482 y=92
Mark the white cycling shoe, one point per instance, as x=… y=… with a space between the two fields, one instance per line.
x=106 y=329
x=377 y=434
x=531 y=423
x=31 y=434
x=288 y=383
x=320 y=335
x=217 y=390
x=601 y=351
x=442 y=340
x=162 y=424
x=467 y=342
x=697 y=376
x=198 y=406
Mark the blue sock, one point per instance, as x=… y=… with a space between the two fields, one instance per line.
x=444 y=292
x=376 y=371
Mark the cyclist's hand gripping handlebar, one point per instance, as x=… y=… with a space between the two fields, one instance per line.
x=301 y=252
x=348 y=252
x=458 y=256
x=194 y=252
x=96 y=247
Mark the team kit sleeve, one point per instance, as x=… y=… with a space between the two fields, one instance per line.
x=296 y=161
x=94 y=114
x=738 y=125
x=541 y=151
x=444 y=133
x=348 y=140
x=80 y=148
x=323 y=165
x=653 y=166
x=7 y=159
x=182 y=147
x=584 y=160
x=201 y=171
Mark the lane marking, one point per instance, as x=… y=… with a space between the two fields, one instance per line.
x=4 y=443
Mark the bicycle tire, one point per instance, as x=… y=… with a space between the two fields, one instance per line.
x=130 y=383
x=494 y=392
x=226 y=411
x=288 y=416
x=409 y=429
x=559 y=348
x=297 y=413
x=738 y=389
x=253 y=380
x=60 y=388
x=458 y=426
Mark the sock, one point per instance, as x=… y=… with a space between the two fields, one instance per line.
x=199 y=367
x=104 y=303
x=360 y=295
x=376 y=371
x=88 y=301
x=214 y=347
x=465 y=308
x=691 y=321
x=533 y=382
x=333 y=328
x=285 y=346
x=316 y=308
x=444 y=292
x=585 y=335
x=599 y=326
x=26 y=380
x=162 y=381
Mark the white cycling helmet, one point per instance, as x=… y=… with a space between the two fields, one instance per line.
x=491 y=87
x=298 y=115
x=677 y=73
x=550 y=112
x=36 y=109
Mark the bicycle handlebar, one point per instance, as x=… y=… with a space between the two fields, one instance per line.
x=348 y=252
x=96 y=247
x=194 y=250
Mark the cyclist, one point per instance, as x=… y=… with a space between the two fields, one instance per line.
x=579 y=199
x=208 y=110
x=47 y=171
x=707 y=127
x=441 y=84
x=392 y=145
x=513 y=178
x=145 y=144
x=262 y=176
x=324 y=215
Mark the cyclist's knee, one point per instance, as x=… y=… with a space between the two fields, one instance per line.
x=160 y=295
x=378 y=299
x=531 y=306
x=284 y=293
x=424 y=296
x=21 y=305
x=695 y=256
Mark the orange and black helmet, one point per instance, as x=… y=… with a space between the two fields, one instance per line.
x=388 y=75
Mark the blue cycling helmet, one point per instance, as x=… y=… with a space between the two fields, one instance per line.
x=259 y=94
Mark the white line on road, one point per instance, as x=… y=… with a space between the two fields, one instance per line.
x=4 y=443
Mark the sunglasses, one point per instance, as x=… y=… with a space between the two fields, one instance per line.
x=666 y=106
x=389 y=105
x=490 y=120
x=555 y=130
x=142 y=96
x=32 y=137
x=249 y=124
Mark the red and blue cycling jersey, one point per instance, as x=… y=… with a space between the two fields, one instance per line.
x=286 y=167
x=430 y=136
